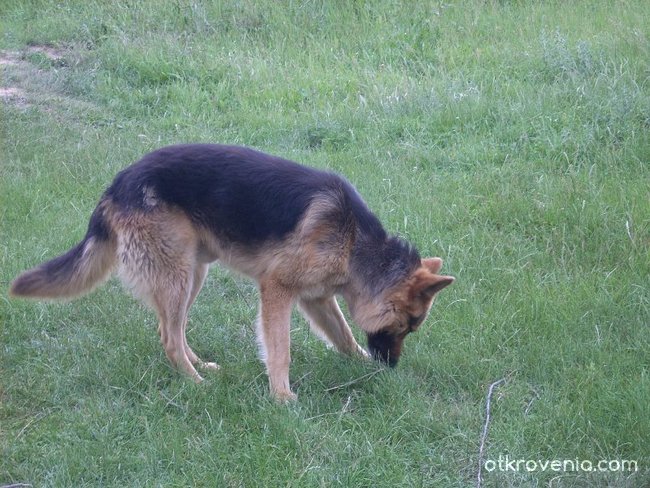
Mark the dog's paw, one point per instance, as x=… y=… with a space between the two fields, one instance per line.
x=363 y=353
x=208 y=366
x=284 y=396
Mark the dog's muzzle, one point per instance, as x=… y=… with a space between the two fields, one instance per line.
x=385 y=347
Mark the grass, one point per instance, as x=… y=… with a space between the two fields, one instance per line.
x=510 y=138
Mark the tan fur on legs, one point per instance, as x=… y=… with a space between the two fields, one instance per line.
x=200 y=272
x=327 y=321
x=157 y=261
x=274 y=327
x=171 y=305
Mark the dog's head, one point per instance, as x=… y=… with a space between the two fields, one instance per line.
x=406 y=307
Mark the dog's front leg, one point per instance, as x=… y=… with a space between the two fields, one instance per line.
x=273 y=335
x=327 y=321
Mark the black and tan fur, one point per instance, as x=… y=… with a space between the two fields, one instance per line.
x=302 y=234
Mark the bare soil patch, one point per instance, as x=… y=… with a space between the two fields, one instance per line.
x=49 y=52
x=16 y=70
x=9 y=93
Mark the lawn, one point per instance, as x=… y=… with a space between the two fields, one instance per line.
x=510 y=138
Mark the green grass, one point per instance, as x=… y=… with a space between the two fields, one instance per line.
x=510 y=138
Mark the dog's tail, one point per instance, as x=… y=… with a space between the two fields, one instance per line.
x=76 y=272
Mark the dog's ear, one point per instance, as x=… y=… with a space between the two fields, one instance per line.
x=426 y=283
x=437 y=283
x=432 y=264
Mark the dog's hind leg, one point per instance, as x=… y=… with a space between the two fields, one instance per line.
x=273 y=334
x=327 y=321
x=200 y=272
x=171 y=303
x=157 y=260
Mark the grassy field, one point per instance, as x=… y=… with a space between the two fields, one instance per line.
x=510 y=138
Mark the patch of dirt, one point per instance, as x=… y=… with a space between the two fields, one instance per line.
x=8 y=59
x=11 y=92
x=51 y=53
x=36 y=76
x=15 y=70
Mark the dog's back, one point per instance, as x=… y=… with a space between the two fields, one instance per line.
x=238 y=193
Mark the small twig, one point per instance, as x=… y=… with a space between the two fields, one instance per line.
x=170 y=401
x=628 y=229
x=530 y=403
x=242 y=294
x=301 y=379
x=344 y=410
x=357 y=380
x=37 y=418
x=479 y=479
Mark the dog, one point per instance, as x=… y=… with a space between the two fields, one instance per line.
x=303 y=234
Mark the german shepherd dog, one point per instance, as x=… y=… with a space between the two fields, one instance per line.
x=302 y=234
